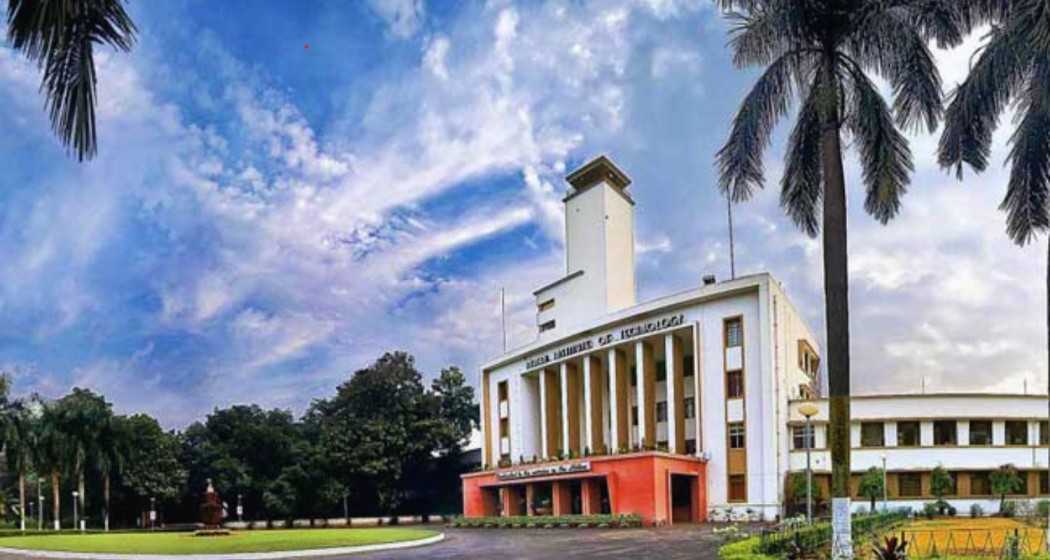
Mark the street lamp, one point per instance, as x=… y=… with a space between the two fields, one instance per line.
x=75 y=522
x=240 y=509
x=884 y=487
x=152 y=512
x=808 y=410
x=40 y=505
x=346 y=508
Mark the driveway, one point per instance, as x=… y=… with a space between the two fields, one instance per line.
x=673 y=543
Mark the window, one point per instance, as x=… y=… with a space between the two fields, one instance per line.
x=737 y=488
x=1044 y=433
x=734 y=333
x=980 y=484
x=1044 y=488
x=801 y=438
x=503 y=394
x=909 y=484
x=544 y=306
x=661 y=371
x=690 y=447
x=1022 y=488
x=736 y=435
x=872 y=434
x=687 y=366
x=634 y=376
x=944 y=432
x=980 y=432
x=634 y=415
x=907 y=434
x=1016 y=432
x=689 y=405
x=661 y=411
x=734 y=384
x=549 y=325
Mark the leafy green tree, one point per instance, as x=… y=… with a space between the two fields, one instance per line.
x=457 y=409
x=150 y=460
x=872 y=485
x=84 y=418
x=941 y=485
x=243 y=449
x=51 y=452
x=60 y=36
x=18 y=441
x=823 y=53
x=1003 y=481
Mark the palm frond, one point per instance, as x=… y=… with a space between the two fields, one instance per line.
x=740 y=160
x=802 y=184
x=1027 y=201
x=885 y=157
x=60 y=35
x=764 y=33
x=975 y=105
x=889 y=42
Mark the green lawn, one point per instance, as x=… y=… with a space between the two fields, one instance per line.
x=240 y=541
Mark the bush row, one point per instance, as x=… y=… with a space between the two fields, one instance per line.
x=549 y=521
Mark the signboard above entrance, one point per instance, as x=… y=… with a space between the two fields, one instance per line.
x=611 y=337
x=546 y=470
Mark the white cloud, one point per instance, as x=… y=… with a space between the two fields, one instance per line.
x=403 y=17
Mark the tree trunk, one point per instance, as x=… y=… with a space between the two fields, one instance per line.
x=56 y=499
x=105 y=497
x=22 y=498
x=836 y=311
x=81 y=497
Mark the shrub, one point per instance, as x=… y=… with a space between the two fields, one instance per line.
x=1008 y=509
x=891 y=549
x=929 y=509
x=976 y=510
x=1043 y=508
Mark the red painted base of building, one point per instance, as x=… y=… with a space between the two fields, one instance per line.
x=660 y=487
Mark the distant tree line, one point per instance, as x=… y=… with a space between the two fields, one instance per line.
x=384 y=443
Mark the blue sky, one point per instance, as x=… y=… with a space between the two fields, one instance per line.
x=284 y=191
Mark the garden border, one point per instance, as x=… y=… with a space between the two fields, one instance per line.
x=277 y=555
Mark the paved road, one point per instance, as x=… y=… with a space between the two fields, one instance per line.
x=678 y=543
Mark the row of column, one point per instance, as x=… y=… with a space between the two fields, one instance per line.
x=559 y=391
x=561 y=498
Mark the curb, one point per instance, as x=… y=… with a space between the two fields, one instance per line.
x=313 y=553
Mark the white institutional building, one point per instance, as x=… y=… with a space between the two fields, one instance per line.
x=686 y=407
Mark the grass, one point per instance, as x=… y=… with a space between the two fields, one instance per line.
x=240 y=541
x=961 y=537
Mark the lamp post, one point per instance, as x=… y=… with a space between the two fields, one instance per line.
x=884 y=487
x=40 y=505
x=240 y=509
x=152 y=512
x=808 y=410
x=346 y=508
x=76 y=523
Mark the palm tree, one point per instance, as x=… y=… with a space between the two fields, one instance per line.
x=821 y=53
x=110 y=457
x=83 y=417
x=50 y=455
x=60 y=36
x=1012 y=69
x=18 y=444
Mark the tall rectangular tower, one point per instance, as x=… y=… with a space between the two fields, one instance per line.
x=599 y=250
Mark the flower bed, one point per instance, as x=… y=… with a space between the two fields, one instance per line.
x=548 y=521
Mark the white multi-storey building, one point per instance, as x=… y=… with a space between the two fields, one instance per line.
x=686 y=407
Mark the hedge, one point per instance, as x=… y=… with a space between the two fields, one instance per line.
x=776 y=544
x=523 y=521
x=746 y=549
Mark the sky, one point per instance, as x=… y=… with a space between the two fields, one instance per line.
x=284 y=191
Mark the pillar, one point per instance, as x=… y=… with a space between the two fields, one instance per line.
x=588 y=404
x=673 y=357
x=544 y=397
x=530 y=495
x=561 y=499
x=595 y=410
x=591 y=496
x=506 y=498
x=615 y=403
x=645 y=367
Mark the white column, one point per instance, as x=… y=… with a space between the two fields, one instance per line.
x=639 y=371
x=588 y=421
x=565 y=408
x=614 y=428
x=670 y=367
x=543 y=414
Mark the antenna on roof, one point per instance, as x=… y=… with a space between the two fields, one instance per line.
x=503 y=317
x=732 y=249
